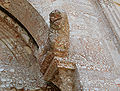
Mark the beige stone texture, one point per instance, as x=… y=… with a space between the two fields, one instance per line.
x=61 y=73
x=19 y=67
x=59 y=33
x=31 y=20
x=94 y=39
x=28 y=16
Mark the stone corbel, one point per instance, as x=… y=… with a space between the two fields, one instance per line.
x=56 y=67
x=61 y=73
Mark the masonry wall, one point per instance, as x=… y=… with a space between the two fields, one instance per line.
x=23 y=40
x=93 y=45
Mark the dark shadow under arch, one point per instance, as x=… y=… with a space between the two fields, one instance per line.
x=19 y=23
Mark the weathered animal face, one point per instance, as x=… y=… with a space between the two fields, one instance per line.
x=55 y=19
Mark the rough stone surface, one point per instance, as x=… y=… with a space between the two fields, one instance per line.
x=58 y=54
x=94 y=39
x=60 y=70
x=19 y=67
x=31 y=20
x=59 y=33
x=61 y=73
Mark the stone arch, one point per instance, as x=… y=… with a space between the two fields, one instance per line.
x=18 y=17
x=29 y=18
x=88 y=9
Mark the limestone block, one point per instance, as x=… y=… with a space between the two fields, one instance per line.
x=61 y=73
x=59 y=33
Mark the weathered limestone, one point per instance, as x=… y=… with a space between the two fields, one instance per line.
x=64 y=76
x=60 y=71
x=14 y=89
x=59 y=38
x=28 y=16
x=31 y=20
x=94 y=41
x=59 y=33
x=47 y=61
x=94 y=44
x=112 y=16
x=19 y=67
